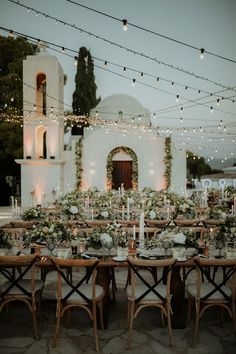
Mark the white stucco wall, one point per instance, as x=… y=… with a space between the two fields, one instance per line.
x=42 y=177
x=179 y=171
x=97 y=145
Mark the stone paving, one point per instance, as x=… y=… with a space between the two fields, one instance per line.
x=148 y=335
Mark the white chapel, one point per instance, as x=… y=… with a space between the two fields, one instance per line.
x=109 y=154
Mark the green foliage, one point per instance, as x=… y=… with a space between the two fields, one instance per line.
x=197 y=167
x=84 y=96
x=12 y=53
x=168 y=162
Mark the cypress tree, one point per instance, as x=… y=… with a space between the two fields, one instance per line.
x=84 y=96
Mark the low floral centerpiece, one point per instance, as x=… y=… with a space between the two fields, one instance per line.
x=6 y=241
x=33 y=214
x=45 y=232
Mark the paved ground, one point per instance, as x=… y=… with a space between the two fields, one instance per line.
x=148 y=335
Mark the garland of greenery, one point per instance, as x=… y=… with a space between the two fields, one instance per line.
x=167 y=160
x=132 y=154
x=78 y=162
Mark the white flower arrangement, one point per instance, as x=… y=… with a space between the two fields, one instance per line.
x=5 y=240
x=45 y=232
x=33 y=213
x=73 y=209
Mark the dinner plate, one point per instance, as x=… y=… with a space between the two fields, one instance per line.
x=119 y=259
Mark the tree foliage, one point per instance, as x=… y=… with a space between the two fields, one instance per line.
x=12 y=53
x=197 y=167
x=84 y=96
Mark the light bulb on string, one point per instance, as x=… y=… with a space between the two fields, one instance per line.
x=158 y=79
x=177 y=99
x=125 y=24
x=133 y=83
x=10 y=35
x=76 y=61
x=202 y=52
x=124 y=68
x=105 y=63
x=211 y=110
x=181 y=110
x=218 y=101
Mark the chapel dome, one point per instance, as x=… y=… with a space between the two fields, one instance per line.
x=122 y=107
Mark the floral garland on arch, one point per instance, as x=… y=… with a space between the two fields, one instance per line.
x=132 y=154
x=78 y=162
x=167 y=160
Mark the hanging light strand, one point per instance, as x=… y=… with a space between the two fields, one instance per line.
x=119 y=45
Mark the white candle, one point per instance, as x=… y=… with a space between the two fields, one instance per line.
x=92 y=214
x=232 y=210
x=110 y=203
x=235 y=205
x=168 y=213
x=141 y=226
x=134 y=232
x=119 y=192
x=222 y=193
x=16 y=206
x=128 y=209
x=123 y=212
x=142 y=203
x=12 y=204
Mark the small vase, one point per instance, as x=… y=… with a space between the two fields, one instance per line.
x=122 y=251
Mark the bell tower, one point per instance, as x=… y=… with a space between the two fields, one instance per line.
x=43 y=130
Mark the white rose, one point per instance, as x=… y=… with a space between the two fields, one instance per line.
x=179 y=238
x=73 y=209
x=152 y=214
x=104 y=214
x=45 y=230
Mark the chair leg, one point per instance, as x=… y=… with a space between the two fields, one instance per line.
x=95 y=326
x=35 y=324
x=197 y=305
x=190 y=302
x=169 y=324
x=100 y=307
x=130 y=324
x=58 y=323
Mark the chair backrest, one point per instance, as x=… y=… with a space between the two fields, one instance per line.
x=226 y=275
x=137 y=265
x=14 y=269
x=62 y=265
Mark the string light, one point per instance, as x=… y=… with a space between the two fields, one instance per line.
x=133 y=83
x=122 y=47
x=150 y=31
x=177 y=98
x=202 y=52
x=76 y=61
x=218 y=101
x=211 y=110
x=125 y=24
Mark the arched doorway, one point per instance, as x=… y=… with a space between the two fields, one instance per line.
x=41 y=142
x=122 y=168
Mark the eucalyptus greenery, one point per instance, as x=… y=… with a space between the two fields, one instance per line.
x=168 y=163
x=78 y=162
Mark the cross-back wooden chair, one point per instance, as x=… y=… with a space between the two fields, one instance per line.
x=142 y=293
x=80 y=293
x=215 y=287
x=21 y=285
